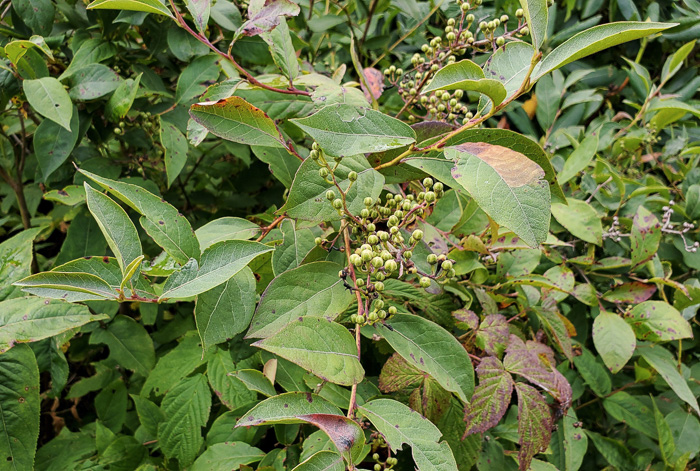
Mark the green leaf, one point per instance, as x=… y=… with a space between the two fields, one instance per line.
x=534 y=424
x=280 y=43
x=658 y=321
x=593 y=40
x=401 y=425
x=281 y=165
x=320 y=346
x=673 y=64
x=226 y=228
x=296 y=244
x=536 y=14
x=19 y=408
x=92 y=81
x=662 y=361
x=15 y=260
x=48 y=97
x=569 y=444
x=219 y=263
x=307 y=198
x=264 y=17
x=15 y=50
x=322 y=461
x=491 y=397
x=162 y=222
x=466 y=75
x=237 y=120
x=255 y=381
x=123 y=97
x=666 y=443
x=510 y=66
x=613 y=451
x=433 y=350
x=37 y=14
x=53 y=143
x=613 y=339
x=110 y=405
x=631 y=411
x=148 y=6
x=175 y=147
x=55 y=284
x=129 y=344
x=645 y=236
x=149 y=414
x=508 y=186
x=579 y=159
x=229 y=455
x=193 y=81
x=226 y=310
x=580 y=219
x=593 y=374
x=200 y=11
x=116 y=226
x=71 y=195
x=186 y=408
x=314 y=289
x=344 y=130
x=231 y=391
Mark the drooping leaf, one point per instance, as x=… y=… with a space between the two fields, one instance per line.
x=313 y=289
x=663 y=362
x=19 y=408
x=666 y=443
x=219 y=262
x=255 y=381
x=320 y=346
x=280 y=43
x=175 y=147
x=53 y=143
x=48 y=97
x=149 y=415
x=466 y=75
x=147 y=6
x=162 y=222
x=129 y=344
x=508 y=186
x=237 y=120
x=268 y=15
x=73 y=286
x=534 y=424
x=400 y=425
x=345 y=130
x=613 y=339
x=491 y=397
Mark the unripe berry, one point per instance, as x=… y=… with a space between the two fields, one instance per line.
x=380 y=276
x=315 y=146
x=525 y=31
x=427 y=182
x=356 y=260
x=392 y=310
x=360 y=282
x=519 y=13
x=446 y=265
x=373 y=318
x=364 y=213
x=470 y=18
x=390 y=266
x=383 y=236
x=378 y=304
x=407 y=255
x=432 y=259
x=318 y=241
x=438 y=187
x=393 y=221
x=323 y=172
x=330 y=195
x=504 y=18
x=338 y=203
x=382 y=314
x=500 y=41
x=366 y=255
x=424 y=282
x=378 y=286
x=451 y=22
x=398 y=213
x=451 y=36
x=483 y=25
x=417 y=234
x=429 y=196
x=371 y=227
x=393 y=230
x=387 y=72
x=373 y=240
x=352 y=176
x=377 y=262
x=365 y=247
x=464 y=6
x=399 y=71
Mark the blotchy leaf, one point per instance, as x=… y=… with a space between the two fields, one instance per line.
x=534 y=424
x=162 y=222
x=48 y=97
x=219 y=263
x=19 y=408
x=237 y=120
x=614 y=340
x=200 y=10
x=267 y=17
x=466 y=75
x=596 y=39
x=658 y=321
x=313 y=289
x=397 y=375
x=320 y=346
x=401 y=425
x=508 y=186
x=430 y=348
x=492 y=335
x=344 y=130
x=645 y=236
x=148 y=6
x=536 y=14
x=491 y=397
x=634 y=292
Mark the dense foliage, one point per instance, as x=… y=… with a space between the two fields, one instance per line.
x=382 y=234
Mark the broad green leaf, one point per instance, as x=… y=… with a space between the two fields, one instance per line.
x=466 y=75
x=229 y=455
x=593 y=373
x=536 y=14
x=313 y=289
x=19 y=408
x=579 y=159
x=226 y=228
x=219 y=263
x=70 y=195
x=53 y=143
x=320 y=346
x=509 y=65
x=685 y=429
x=255 y=381
x=662 y=361
x=48 y=97
x=613 y=339
x=186 y=408
x=401 y=425
x=658 y=321
x=15 y=50
x=175 y=147
x=280 y=43
x=123 y=97
x=264 y=17
x=614 y=452
x=200 y=11
x=433 y=350
x=666 y=443
x=508 y=186
x=237 y=120
x=149 y=414
x=296 y=244
x=344 y=130
x=83 y=286
x=32 y=319
x=226 y=310
x=307 y=198
x=16 y=255
x=569 y=444
x=147 y=6
x=631 y=411
x=645 y=236
x=580 y=219
x=634 y=292
x=92 y=81
x=674 y=105
x=129 y=344
x=322 y=461
x=116 y=226
x=491 y=397
x=593 y=40
x=110 y=405
x=162 y=222
x=231 y=391
x=534 y=424
x=37 y=14
x=193 y=81
x=282 y=166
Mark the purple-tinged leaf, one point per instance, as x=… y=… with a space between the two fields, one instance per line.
x=345 y=433
x=431 y=400
x=491 y=397
x=397 y=374
x=466 y=319
x=199 y=9
x=492 y=335
x=645 y=236
x=268 y=17
x=630 y=293
x=658 y=321
x=557 y=330
x=534 y=424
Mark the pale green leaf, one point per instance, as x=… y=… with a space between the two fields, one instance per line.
x=658 y=321
x=466 y=75
x=148 y=6
x=84 y=286
x=228 y=455
x=282 y=50
x=613 y=339
x=322 y=461
x=16 y=255
x=226 y=228
x=175 y=147
x=663 y=361
x=15 y=50
x=48 y=97
x=129 y=344
x=536 y=14
x=580 y=219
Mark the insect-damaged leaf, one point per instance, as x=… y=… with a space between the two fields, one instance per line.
x=534 y=424
x=266 y=18
x=508 y=186
x=658 y=322
x=491 y=397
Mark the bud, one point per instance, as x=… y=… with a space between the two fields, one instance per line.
x=318 y=241
x=366 y=255
x=438 y=187
x=323 y=172
x=500 y=41
x=432 y=259
x=378 y=304
x=417 y=234
x=525 y=31
x=390 y=266
x=424 y=282
x=372 y=240
x=338 y=203
x=330 y=195
x=371 y=227
x=383 y=236
x=356 y=260
x=369 y=201
x=352 y=176
x=392 y=310
x=407 y=255
x=377 y=262
x=464 y=6
x=519 y=13
x=429 y=196
x=378 y=286
x=446 y=265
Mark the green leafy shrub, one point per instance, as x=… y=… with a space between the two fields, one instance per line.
x=303 y=236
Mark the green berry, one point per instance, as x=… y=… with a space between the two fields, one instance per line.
x=371 y=227
x=323 y=172
x=525 y=31
x=378 y=286
x=372 y=240
x=470 y=19
x=377 y=262
x=464 y=6
x=500 y=41
x=359 y=282
x=318 y=241
x=369 y=201
x=504 y=18
x=364 y=213
x=438 y=187
x=424 y=282
x=390 y=266
x=373 y=316
x=392 y=310
x=432 y=259
x=519 y=13
x=429 y=196
x=417 y=234
x=380 y=276
x=393 y=221
x=446 y=265
x=377 y=467
x=450 y=36
x=407 y=255
x=330 y=195
x=352 y=176
x=365 y=247
x=356 y=260
x=428 y=182
x=378 y=304
x=366 y=255
x=338 y=203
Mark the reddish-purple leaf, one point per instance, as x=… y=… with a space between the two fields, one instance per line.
x=630 y=293
x=556 y=330
x=491 y=397
x=466 y=319
x=397 y=374
x=534 y=424
x=346 y=435
x=268 y=17
x=375 y=83
x=492 y=335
